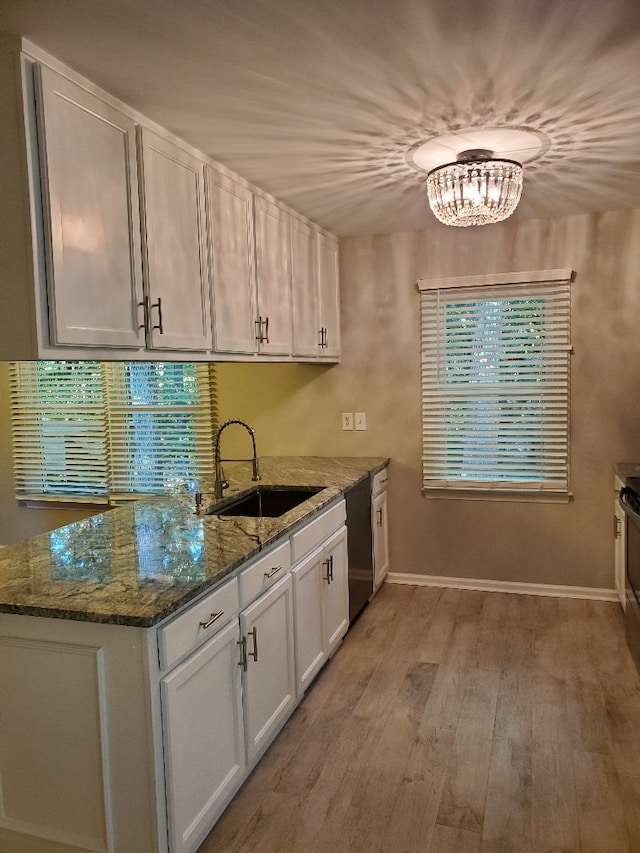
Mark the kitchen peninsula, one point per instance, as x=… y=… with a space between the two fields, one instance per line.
x=108 y=681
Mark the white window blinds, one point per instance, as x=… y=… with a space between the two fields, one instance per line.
x=495 y=383
x=107 y=430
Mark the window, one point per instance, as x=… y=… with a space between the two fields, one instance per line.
x=495 y=384
x=88 y=429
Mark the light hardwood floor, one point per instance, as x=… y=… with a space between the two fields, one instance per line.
x=456 y=721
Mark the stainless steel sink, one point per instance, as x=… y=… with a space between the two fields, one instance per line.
x=267 y=501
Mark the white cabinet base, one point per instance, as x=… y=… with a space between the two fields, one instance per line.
x=204 y=738
x=269 y=681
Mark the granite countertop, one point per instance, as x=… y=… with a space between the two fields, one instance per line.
x=138 y=563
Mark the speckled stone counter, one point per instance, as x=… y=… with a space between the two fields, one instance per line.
x=136 y=564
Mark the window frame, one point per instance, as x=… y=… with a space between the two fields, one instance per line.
x=444 y=477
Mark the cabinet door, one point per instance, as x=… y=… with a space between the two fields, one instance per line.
x=175 y=252
x=91 y=213
x=230 y=225
x=269 y=682
x=336 y=589
x=273 y=277
x=329 y=284
x=308 y=618
x=620 y=551
x=380 y=537
x=203 y=738
x=304 y=289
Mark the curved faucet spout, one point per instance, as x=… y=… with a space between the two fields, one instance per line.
x=220 y=482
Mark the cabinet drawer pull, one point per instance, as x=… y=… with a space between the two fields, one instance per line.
x=254 y=633
x=331 y=568
x=158 y=305
x=243 y=653
x=274 y=571
x=266 y=331
x=212 y=618
x=379 y=514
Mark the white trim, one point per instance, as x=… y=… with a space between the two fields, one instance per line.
x=496 y=278
x=482 y=585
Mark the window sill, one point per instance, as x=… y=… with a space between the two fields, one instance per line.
x=494 y=495
x=99 y=504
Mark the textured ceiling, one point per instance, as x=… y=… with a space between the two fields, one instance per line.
x=319 y=101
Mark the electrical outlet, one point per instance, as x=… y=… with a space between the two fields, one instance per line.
x=361 y=420
x=347 y=420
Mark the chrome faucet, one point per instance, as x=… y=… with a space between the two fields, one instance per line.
x=221 y=483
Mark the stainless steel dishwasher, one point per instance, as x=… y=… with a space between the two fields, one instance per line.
x=359 y=546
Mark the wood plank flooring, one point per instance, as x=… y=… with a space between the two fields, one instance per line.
x=456 y=721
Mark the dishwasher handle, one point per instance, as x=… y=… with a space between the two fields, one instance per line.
x=629 y=501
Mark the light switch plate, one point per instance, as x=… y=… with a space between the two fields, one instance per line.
x=347 y=420
x=361 y=420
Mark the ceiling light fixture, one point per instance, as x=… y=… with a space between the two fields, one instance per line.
x=475 y=190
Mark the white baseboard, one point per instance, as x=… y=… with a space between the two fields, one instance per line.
x=554 y=590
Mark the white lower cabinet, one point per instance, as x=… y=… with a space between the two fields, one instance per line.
x=619 y=544
x=321 y=605
x=311 y=652
x=203 y=737
x=336 y=590
x=268 y=662
x=379 y=527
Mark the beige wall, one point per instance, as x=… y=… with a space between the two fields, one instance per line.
x=16 y=522
x=297 y=409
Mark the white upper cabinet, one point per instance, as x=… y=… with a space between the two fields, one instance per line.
x=90 y=192
x=126 y=243
x=316 y=294
x=273 y=278
x=176 y=269
x=230 y=205
x=329 y=284
x=304 y=286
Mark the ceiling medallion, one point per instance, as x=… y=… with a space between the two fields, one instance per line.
x=477 y=189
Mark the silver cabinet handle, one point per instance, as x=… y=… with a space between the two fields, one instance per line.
x=328 y=576
x=321 y=338
x=145 y=313
x=262 y=337
x=379 y=514
x=213 y=618
x=325 y=342
x=331 y=567
x=243 y=653
x=617 y=527
x=274 y=571
x=158 y=305
x=254 y=633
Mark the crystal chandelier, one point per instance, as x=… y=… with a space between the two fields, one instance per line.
x=475 y=190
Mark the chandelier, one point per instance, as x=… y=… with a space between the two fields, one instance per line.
x=475 y=190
